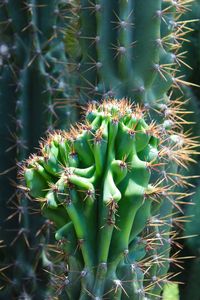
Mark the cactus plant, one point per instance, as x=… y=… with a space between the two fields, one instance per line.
x=99 y=185
x=123 y=48
x=35 y=97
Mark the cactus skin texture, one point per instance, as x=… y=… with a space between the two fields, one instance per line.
x=34 y=98
x=102 y=184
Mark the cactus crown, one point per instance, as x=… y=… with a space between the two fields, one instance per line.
x=103 y=184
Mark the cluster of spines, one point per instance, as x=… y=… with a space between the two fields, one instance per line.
x=90 y=167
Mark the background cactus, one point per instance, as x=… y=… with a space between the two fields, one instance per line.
x=35 y=97
x=102 y=186
x=127 y=48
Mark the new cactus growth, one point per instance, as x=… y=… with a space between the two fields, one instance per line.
x=104 y=186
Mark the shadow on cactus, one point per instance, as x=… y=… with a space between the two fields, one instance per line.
x=106 y=187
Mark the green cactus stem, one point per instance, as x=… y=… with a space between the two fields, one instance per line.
x=110 y=199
